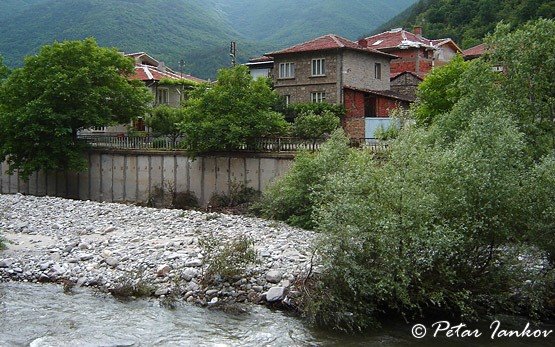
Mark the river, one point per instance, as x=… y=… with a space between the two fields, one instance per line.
x=42 y=315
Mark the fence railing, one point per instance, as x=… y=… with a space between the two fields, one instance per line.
x=277 y=144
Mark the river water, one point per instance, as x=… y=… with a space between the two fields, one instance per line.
x=42 y=315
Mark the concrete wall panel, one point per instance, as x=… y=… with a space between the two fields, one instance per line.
x=130 y=178
x=106 y=177
x=118 y=171
x=95 y=177
x=253 y=173
x=144 y=178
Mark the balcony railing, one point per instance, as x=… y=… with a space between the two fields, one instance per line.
x=277 y=144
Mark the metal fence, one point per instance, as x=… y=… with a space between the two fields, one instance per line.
x=277 y=144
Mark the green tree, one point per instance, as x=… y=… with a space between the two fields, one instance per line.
x=527 y=55
x=165 y=121
x=231 y=112
x=4 y=71
x=439 y=91
x=66 y=87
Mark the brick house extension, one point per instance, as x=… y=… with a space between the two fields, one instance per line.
x=416 y=54
x=333 y=69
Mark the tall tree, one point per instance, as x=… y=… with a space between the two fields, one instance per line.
x=226 y=115
x=68 y=86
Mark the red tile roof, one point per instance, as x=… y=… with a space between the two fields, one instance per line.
x=145 y=72
x=476 y=51
x=327 y=42
x=400 y=38
x=397 y=38
x=150 y=69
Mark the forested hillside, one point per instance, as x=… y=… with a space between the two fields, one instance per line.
x=468 y=21
x=198 y=31
x=292 y=21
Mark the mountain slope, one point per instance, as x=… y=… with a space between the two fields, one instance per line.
x=292 y=21
x=468 y=21
x=198 y=31
x=169 y=29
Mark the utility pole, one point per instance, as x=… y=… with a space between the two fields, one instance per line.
x=181 y=65
x=233 y=53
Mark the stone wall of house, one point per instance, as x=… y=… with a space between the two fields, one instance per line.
x=358 y=70
x=303 y=84
x=134 y=176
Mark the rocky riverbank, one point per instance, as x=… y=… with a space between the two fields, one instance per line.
x=110 y=246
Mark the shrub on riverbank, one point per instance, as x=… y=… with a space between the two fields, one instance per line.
x=290 y=198
x=456 y=221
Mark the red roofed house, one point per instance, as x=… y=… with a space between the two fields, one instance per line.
x=415 y=53
x=153 y=73
x=333 y=69
x=474 y=52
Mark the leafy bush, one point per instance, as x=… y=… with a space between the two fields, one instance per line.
x=239 y=194
x=165 y=121
x=428 y=230
x=318 y=108
x=289 y=199
x=185 y=200
x=310 y=125
x=227 y=259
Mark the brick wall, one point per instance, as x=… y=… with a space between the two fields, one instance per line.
x=411 y=60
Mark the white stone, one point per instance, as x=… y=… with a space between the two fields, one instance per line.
x=275 y=294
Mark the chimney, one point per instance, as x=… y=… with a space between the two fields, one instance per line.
x=417 y=30
x=363 y=42
x=161 y=66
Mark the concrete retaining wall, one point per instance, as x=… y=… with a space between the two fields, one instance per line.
x=132 y=176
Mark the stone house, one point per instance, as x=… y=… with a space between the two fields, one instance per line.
x=336 y=70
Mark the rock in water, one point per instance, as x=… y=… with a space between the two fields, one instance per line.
x=275 y=294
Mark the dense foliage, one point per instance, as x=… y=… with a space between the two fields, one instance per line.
x=68 y=86
x=230 y=113
x=439 y=91
x=4 y=71
x=291 y=198
x=165 y=121
x=194 y=30
x=310 y=125
x=457 y=220
x=468 y=21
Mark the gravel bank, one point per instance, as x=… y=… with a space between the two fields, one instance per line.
x=104 y=244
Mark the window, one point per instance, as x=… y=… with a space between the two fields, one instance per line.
x=318 y=67
x=287 y=70
x=378 y=71
x=318 y=97
x=162 y=96
x=287 y=99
